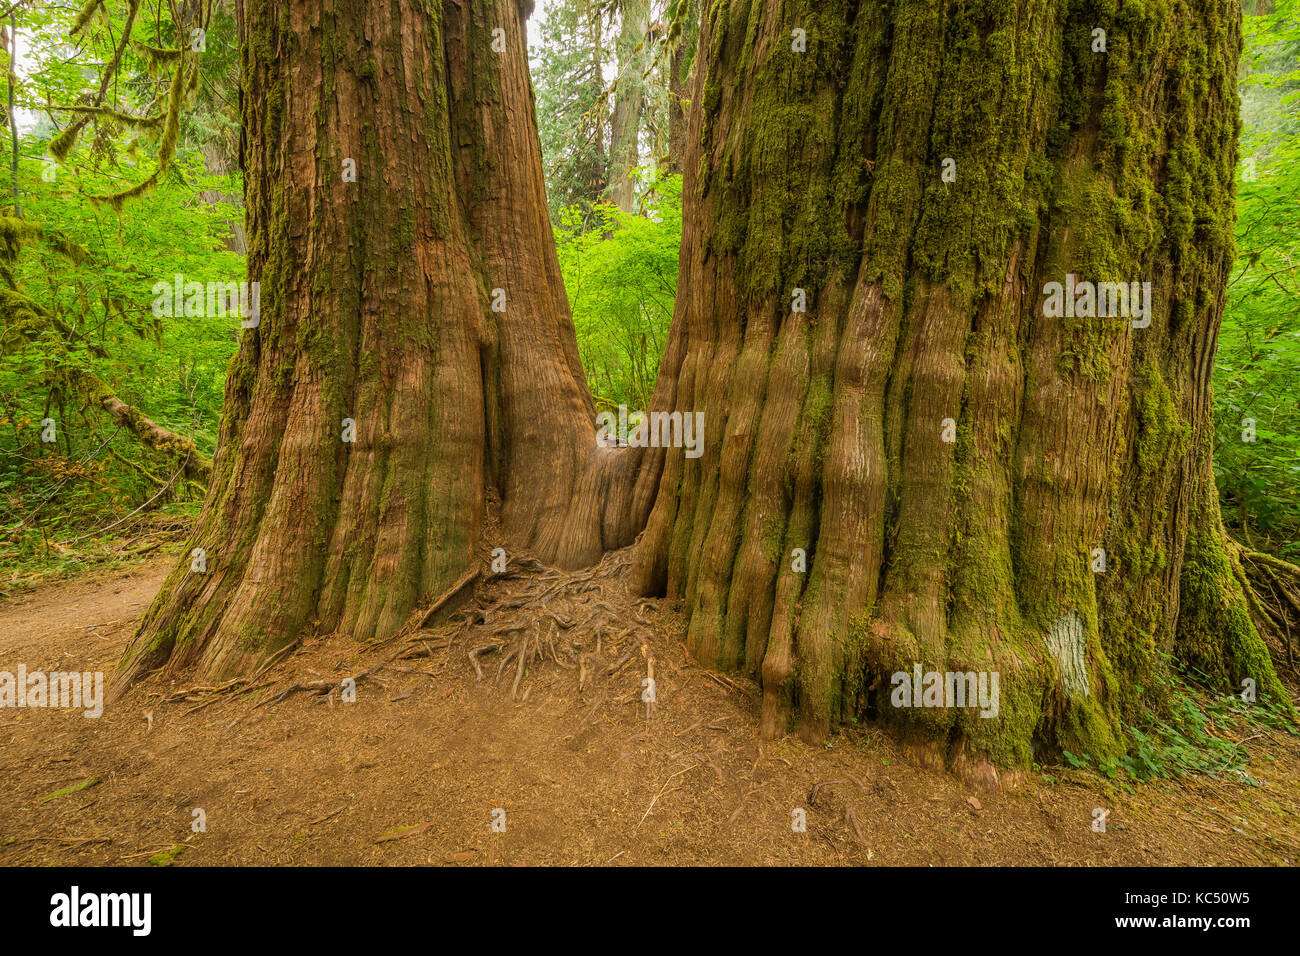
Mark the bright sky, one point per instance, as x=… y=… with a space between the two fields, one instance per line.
x=535 y=26
x=26 y=118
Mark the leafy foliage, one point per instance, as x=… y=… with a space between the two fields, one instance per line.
x=77 y=272
x=1257 y=376
x=621 y=278
x=1199 y=734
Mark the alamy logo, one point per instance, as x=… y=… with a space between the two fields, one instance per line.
x=1098 y=300
x=181 y=299
x=656 y=430
x=102 y=909
x=946 y=689
x=57 y=689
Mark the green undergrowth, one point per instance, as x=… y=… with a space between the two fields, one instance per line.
x=1199 y=733
x=34 y=557
x=168 y=857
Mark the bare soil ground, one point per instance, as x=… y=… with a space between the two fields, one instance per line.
x=583 y=775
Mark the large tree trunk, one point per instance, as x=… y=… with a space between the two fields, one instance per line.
x=380 y=304
x=822 y=171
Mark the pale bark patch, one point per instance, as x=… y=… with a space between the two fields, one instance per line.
x=1068 y=641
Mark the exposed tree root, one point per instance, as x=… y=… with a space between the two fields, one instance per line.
x=580 y=621
x=421 y=616
x=583 y=622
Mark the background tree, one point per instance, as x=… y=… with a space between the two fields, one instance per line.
x=211 y=124
x=571 y=113
x=682 y=38
x=619 y=266
x=629 y=102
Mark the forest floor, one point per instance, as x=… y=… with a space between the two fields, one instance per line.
x=413 y=770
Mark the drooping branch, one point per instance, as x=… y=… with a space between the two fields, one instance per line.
x=184 y=81
x=27 y=321
x=62 y=144
x=96 y=392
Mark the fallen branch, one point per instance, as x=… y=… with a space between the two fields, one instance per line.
x=195 y=465
x=661 y=793
x=420 y=617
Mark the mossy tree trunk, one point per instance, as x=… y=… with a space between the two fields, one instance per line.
x=822 y=170
x=423 y=302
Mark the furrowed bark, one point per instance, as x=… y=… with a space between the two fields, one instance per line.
x=423 y=302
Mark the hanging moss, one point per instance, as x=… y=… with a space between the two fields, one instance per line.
x=61 y=145
x=166 y=144
x=143 y=123
x=23 y=317
x=116 y=201
x=90 y=11
x=157 y=58
x=15 y=232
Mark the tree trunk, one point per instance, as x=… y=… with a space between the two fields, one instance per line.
x=9 y=47
x=926 y=320
x=600 y=175
x=423 y=302
x=629 y=102
x=683 y=38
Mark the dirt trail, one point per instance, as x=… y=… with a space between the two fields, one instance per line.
x=583 y=776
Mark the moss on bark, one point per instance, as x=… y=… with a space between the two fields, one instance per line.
x=822 y=169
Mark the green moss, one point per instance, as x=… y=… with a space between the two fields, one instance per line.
x=88 y=12
x=168 y=857
x=1160 y=436
x=70 y=789
x=1216 y=639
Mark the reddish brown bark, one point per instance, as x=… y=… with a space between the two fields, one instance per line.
x=422 y=301
x=811 y=171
